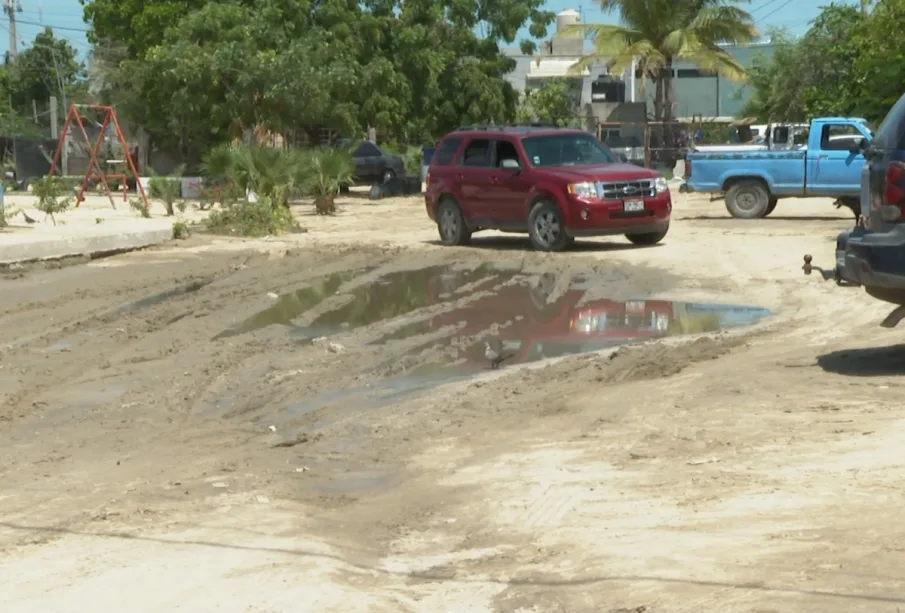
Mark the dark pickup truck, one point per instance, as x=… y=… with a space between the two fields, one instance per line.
x=872 y=255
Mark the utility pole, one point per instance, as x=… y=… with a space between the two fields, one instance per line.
x=54 y=119
x=12 y=135
x=11 y=7
x=64 y=158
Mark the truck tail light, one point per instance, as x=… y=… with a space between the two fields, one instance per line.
x=894 y=192
x=687 y=169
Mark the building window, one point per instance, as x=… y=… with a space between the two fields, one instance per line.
x=608 y=90
x=692 y=73
x=638 y=73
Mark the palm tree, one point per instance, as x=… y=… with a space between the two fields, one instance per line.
x=656 y=33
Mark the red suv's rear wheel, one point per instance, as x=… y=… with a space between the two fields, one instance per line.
x=546 y=227
x=451 y=224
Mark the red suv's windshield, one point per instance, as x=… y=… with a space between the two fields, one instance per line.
x=571 y=149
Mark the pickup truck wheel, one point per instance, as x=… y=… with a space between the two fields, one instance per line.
x=647 y=238
x=772 y=206
x=451 y=224
x=748 y=199
x=546 y=227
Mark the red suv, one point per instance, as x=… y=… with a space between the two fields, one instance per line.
x=555 y=184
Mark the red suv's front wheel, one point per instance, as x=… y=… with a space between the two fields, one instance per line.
x=546 y=227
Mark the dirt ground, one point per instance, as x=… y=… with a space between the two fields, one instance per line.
x=162 y=449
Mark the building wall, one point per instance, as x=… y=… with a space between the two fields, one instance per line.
x=707 y=96
x=694 y=94
x=519 y=80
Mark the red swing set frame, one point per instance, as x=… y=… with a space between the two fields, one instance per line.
x=96 y=170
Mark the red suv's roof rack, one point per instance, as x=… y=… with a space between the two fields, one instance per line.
x=507 y=126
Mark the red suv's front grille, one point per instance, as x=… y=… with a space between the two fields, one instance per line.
x=626 y=189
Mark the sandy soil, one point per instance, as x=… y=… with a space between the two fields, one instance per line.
x=163 y=451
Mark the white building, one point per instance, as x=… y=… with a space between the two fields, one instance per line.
x=556 y=56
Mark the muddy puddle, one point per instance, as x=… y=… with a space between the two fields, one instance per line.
x=430 y=326
x=389 y=296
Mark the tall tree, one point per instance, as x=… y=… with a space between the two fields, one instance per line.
x=771 y=92
x=657 y=33
x=47 y=67
x=556 y=102
x=413 y=68
x=878 y=70
x=823 y=72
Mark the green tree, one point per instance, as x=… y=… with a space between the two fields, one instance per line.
x=822 y=73
x=133 y=26
x=46 y=67
x=556 y=102
x=771 y=91
x=656 y=33
x=878 y=70
x=829 y=51
x=414 y=69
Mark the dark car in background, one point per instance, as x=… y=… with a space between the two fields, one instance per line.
x=873 y=254
x=373 y=164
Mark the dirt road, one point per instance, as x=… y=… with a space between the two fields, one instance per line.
x=308 y=424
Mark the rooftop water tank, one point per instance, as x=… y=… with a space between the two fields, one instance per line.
x=566 y=18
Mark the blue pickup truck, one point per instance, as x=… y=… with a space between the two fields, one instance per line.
x=754 y=181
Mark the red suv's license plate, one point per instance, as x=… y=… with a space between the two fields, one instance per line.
x=632 y=206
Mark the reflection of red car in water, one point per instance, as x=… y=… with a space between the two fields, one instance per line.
x=530 y=328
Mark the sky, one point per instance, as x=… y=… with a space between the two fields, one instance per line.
x=65 y=16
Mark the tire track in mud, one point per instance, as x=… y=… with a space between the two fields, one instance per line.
x=120 y=336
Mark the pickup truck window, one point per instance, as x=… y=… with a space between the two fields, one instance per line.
x=839 y=137
x=781 y=134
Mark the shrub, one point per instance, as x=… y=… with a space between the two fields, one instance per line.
x=273 y=175
x=181 y=230
x=412 y=160
x=266 y=171
x=6 y=214
x=325 y=172
x=138 y=205
x=54 y=196
x=167 y=188
x=411 y=157
x=257 y=219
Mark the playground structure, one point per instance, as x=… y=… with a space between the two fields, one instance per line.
x=97 y=171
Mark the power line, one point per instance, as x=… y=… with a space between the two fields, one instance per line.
x=53 y=27
x=764 y=5
x=777 y=9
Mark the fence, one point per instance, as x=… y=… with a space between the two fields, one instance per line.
x=659 y=144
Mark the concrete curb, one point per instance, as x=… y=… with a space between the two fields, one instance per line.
x=52 y=247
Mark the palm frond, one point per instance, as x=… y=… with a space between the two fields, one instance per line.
x=723 y=24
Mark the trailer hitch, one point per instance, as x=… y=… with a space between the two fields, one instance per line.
x=827 y=275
